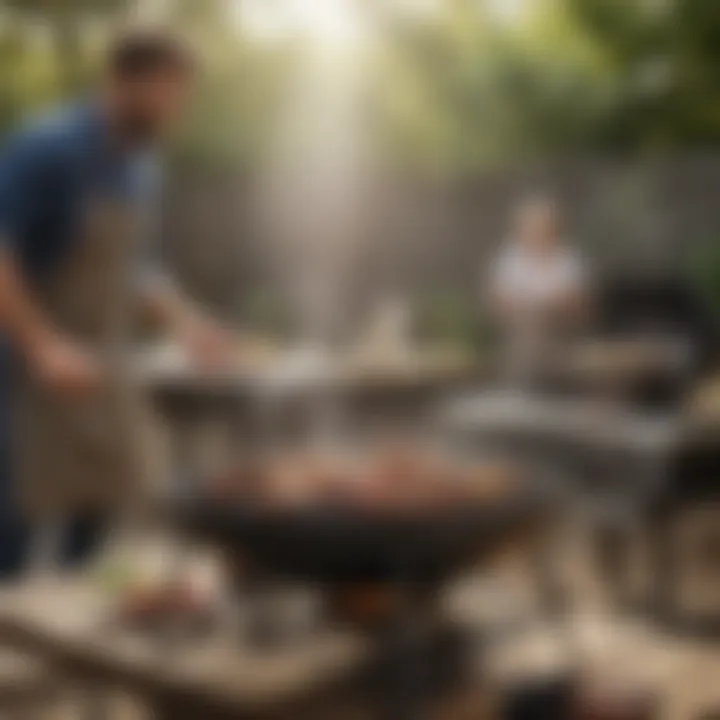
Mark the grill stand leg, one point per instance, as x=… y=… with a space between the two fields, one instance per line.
x=554 y=600
x=409 y=695
x=612 y=549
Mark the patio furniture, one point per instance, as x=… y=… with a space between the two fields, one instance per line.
x=65 y=623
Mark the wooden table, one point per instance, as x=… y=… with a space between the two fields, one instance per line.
x=233 y=413
x=65 y=623
x=187 y=395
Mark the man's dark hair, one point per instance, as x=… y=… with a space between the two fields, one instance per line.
x=139 y=53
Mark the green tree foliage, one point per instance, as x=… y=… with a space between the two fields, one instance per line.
x=664 y=59
x=567 y=76
x=241 y=87
x=452 y=90
x=67 y=26
x=467 y=91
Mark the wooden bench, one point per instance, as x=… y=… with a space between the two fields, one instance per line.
x=63 y=622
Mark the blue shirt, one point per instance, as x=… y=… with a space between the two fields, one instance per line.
x=51 y=169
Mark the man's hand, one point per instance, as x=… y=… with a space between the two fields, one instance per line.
x=209 y=345
x=63 y=367
x=56 y=362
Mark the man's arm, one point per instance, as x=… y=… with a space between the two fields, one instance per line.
x=20 y=318
x=162 y=301
x=206 y=341
x=56 y=362
x=27 y=170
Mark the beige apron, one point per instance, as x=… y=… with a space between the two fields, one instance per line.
x=83 y=455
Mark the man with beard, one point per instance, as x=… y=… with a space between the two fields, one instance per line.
x=77 y=189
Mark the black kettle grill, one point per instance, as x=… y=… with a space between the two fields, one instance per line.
x=665 y=306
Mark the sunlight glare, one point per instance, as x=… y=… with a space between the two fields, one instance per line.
x=507 y=12
x=329 y=23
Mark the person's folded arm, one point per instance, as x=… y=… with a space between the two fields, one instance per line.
x=500 y=288
x=573 y=301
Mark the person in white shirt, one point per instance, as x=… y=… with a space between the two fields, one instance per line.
x=538 y=289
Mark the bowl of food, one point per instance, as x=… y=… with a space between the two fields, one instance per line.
x=360 y=516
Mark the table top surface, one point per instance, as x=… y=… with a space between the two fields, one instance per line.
x=302 y=370
x=66 y=621
x=575 y=419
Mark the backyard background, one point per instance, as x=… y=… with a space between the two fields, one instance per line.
x=377 y=146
